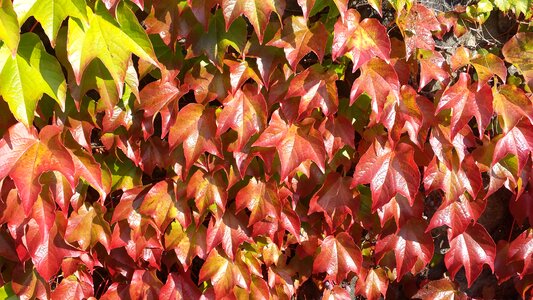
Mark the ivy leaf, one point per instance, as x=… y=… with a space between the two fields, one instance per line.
x=256 y=11
x=442 y=289
x=261 y=198
x=457 y=215
x=195 y=127
x=316 y=88
x=187 y=243
x=26 y=155
x=179 y=286
x=245 y=112
x=224 y=274
x=335 y=199
x=297 y=40
x=294 y=143
x=50 y=13
x=453 y=180
x=389 y=171
x=9 y=26
x=215 y=41
x=416 y=25
x=521 y=249
x=87 y=226
x=28 y=75
x=337 y=257
x=230 y=231
x=511 y=104
x=471 y=250
x=85 y=43
x=208 y=191
x=518 y=142
x=517 y=51
x=466 y=101
x=372 y=283
x=71 y=286
x=379 y=81
x=361 y=40
x=411 y=244
x=432 y=67
x=156 y=95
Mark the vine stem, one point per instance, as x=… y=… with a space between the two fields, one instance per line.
x=511 y=231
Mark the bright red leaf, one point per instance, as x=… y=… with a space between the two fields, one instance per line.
x=338 y=255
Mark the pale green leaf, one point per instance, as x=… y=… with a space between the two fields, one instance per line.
x=9 y=26
x=29 y=75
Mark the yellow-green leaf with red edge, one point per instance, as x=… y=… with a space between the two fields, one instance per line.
x=224 y=274
x=26 y=155
x=294 y=143
x=187 y=243
x=379 y=81
x=335 y=199
x=338 y=256
x=467 y=101
x=441 y=289
x=112 y=41
x=372 y=283
x=28 y=75
x=518 y=142
x=297 y=40
x=245 y=112
x=261 y=198
x=209 y=192
x=256 y=11
x=511 y=104
x=360 y=40
x=485 y=63
x=453 y=180
x=471 y=249
x=518 y=51
x=416 y=25
x=195 y=128
x=389 y=171
x=51 y=13
x=87 y=226
x=230 y=231
x=316 y=87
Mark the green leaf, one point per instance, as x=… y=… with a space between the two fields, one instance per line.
x=6 y=292
x=9 y=26
x=50 y=13
x=29 y=75
x=108 y=40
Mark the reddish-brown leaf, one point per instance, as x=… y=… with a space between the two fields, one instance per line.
x=416 y=25
x=372 y=283
x=179 y=287
x=471 y=250
x=230 y=231
x=208 y=189
x=224 y=274
x=261 y=198
x=338 y=256
x=521 y=250
x=389 y=172
x=442 y=289
x=411 y=244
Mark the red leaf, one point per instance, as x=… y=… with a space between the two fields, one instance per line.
x=389 y=171
x=187 y=243
x=466 y=101
x=245 y=112
x=416 y=25
x=179 y=286
x=208 y=189
x=261 y=198
x=401 y=210
x=372 y=283
x=362 y=40
x=521 y=250
x=294 y=143
x=25 y=156
x=335 y=199
x=230 y=231
x=471 y=250
x=432 y=67
x=337 y=257
x=379 y=81
x=336 y=293
x=195 y=127
x=72 y=288
x=316 y=87
x=297 y=40
x=518 y=142
x=458 y=214
x=411 y=244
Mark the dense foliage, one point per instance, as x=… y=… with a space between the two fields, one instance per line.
x=266 y=149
